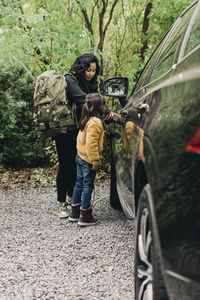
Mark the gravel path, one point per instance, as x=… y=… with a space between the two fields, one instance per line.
x=44 y=257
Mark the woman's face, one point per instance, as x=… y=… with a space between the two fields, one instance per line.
x=91 y=71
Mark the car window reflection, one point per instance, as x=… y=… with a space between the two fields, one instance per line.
x=194 y=38
x=171 y=49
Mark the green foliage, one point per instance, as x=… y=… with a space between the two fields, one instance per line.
x=43 y=32
x=29 y=176
x=50 y=34
x=41 y=179
x=19 y=144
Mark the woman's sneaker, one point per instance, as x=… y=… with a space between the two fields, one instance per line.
x=62 y=210
x=69 y=202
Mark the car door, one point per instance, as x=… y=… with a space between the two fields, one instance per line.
x=128 y=142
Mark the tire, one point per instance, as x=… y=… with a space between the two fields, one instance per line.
x=149 y=283
x=114 y=198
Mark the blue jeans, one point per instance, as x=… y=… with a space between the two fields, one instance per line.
x=84 y=182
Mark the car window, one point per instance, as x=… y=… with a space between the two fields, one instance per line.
x=170 y=51
x=168 y=55
x=194 y=37
x=147 y=69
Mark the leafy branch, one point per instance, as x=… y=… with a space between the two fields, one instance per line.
x=23 y=66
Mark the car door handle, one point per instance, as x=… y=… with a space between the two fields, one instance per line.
x=144 y=107
x=124 y=113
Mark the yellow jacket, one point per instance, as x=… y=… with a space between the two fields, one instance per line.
x=90 y=141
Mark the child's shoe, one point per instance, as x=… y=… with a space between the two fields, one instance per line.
x=75 y=213
x=86 y=217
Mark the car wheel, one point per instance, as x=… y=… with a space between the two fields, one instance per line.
x=149 y=284
x=114 y=198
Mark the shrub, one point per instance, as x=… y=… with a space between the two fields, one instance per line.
x=20 y=145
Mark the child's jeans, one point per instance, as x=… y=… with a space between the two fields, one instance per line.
x=84 y=182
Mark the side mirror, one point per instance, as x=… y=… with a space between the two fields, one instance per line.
x=116 y=87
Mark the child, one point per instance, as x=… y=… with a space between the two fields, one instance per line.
x=89 y=147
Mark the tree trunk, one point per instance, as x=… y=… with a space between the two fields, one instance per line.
x=145 y=28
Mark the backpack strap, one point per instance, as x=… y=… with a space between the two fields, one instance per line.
x=73 y=105
x=73 y=75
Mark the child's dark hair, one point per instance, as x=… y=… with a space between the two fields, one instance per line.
x=94 y=106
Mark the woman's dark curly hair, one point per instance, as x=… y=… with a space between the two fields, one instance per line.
x=82 y=63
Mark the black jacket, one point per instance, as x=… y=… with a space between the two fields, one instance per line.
x=77 y=95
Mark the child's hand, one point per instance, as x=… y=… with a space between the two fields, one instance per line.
x=95 y=166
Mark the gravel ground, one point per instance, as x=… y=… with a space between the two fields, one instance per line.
x=44 y=257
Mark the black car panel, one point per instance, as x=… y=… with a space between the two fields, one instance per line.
x=156 y=154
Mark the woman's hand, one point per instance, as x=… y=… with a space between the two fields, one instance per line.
x=111 y=115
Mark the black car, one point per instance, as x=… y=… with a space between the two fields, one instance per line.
x=156 y=163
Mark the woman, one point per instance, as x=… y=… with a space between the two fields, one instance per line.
x=81 y=80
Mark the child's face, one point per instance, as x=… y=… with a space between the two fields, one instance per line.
x=91 y=71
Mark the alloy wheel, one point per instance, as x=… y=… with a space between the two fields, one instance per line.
x=144 y=260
